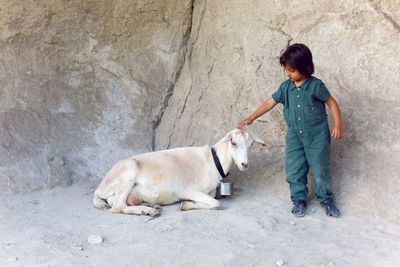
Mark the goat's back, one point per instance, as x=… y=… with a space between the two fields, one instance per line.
x=174 y=161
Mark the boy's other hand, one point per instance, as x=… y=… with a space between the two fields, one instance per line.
x=243 y=123
x=337 y=133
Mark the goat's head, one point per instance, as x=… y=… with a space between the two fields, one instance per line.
x=239 y=144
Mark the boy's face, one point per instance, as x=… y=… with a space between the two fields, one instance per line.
x=294 y=74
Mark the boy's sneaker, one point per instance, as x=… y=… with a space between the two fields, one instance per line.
x=330 y=209
x=299 y=208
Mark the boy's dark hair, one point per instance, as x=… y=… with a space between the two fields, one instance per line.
x=299 y=57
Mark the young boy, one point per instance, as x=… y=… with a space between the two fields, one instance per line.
x=308 y=142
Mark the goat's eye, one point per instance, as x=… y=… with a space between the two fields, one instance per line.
x=234 y=144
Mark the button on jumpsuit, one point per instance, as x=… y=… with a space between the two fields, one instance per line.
x=308 y=141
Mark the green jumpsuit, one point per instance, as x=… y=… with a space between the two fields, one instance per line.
x=308 y=141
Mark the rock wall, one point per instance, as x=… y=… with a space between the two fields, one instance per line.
x=83 y=84
x=233 y=67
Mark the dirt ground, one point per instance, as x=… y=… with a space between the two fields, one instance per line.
x=51 y=228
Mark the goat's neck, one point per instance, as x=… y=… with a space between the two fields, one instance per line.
x=224 y=156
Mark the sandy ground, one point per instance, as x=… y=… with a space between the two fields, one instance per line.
x=51 y=228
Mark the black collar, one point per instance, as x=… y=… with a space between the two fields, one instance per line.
x=218 y=163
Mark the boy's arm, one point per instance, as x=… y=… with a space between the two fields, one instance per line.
x=337 y=132
x=264 y=108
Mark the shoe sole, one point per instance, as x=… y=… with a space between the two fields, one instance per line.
x=299 y=215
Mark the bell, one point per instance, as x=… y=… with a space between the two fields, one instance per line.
x=224 y=189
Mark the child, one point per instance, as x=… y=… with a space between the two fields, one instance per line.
x=307 y=139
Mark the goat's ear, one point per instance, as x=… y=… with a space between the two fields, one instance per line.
x=227 y=138
x=258 y=140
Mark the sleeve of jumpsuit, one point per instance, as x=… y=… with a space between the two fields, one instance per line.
x=321 y=92
x=278 y=95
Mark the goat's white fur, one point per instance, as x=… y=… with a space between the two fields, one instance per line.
x=168 y=176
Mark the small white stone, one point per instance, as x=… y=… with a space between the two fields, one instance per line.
x=330 y=264
x=279 y=262
x=292 y=223
x=313 y=210
x=95 y=239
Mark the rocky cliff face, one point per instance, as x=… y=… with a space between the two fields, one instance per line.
x=84 y=83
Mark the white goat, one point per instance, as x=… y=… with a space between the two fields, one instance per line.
x=168 y=176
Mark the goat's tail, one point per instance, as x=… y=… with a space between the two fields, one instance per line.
x=99 y=203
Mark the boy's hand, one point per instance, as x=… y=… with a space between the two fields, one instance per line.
x=337 y=132
x=243 y=123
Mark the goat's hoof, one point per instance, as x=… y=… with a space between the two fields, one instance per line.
x=154 y=213
x=185 y=205
x=182 y=207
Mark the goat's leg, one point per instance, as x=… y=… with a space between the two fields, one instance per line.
x=200 y=201
x=120 y=199
x=140 y=210
x=122 y=185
